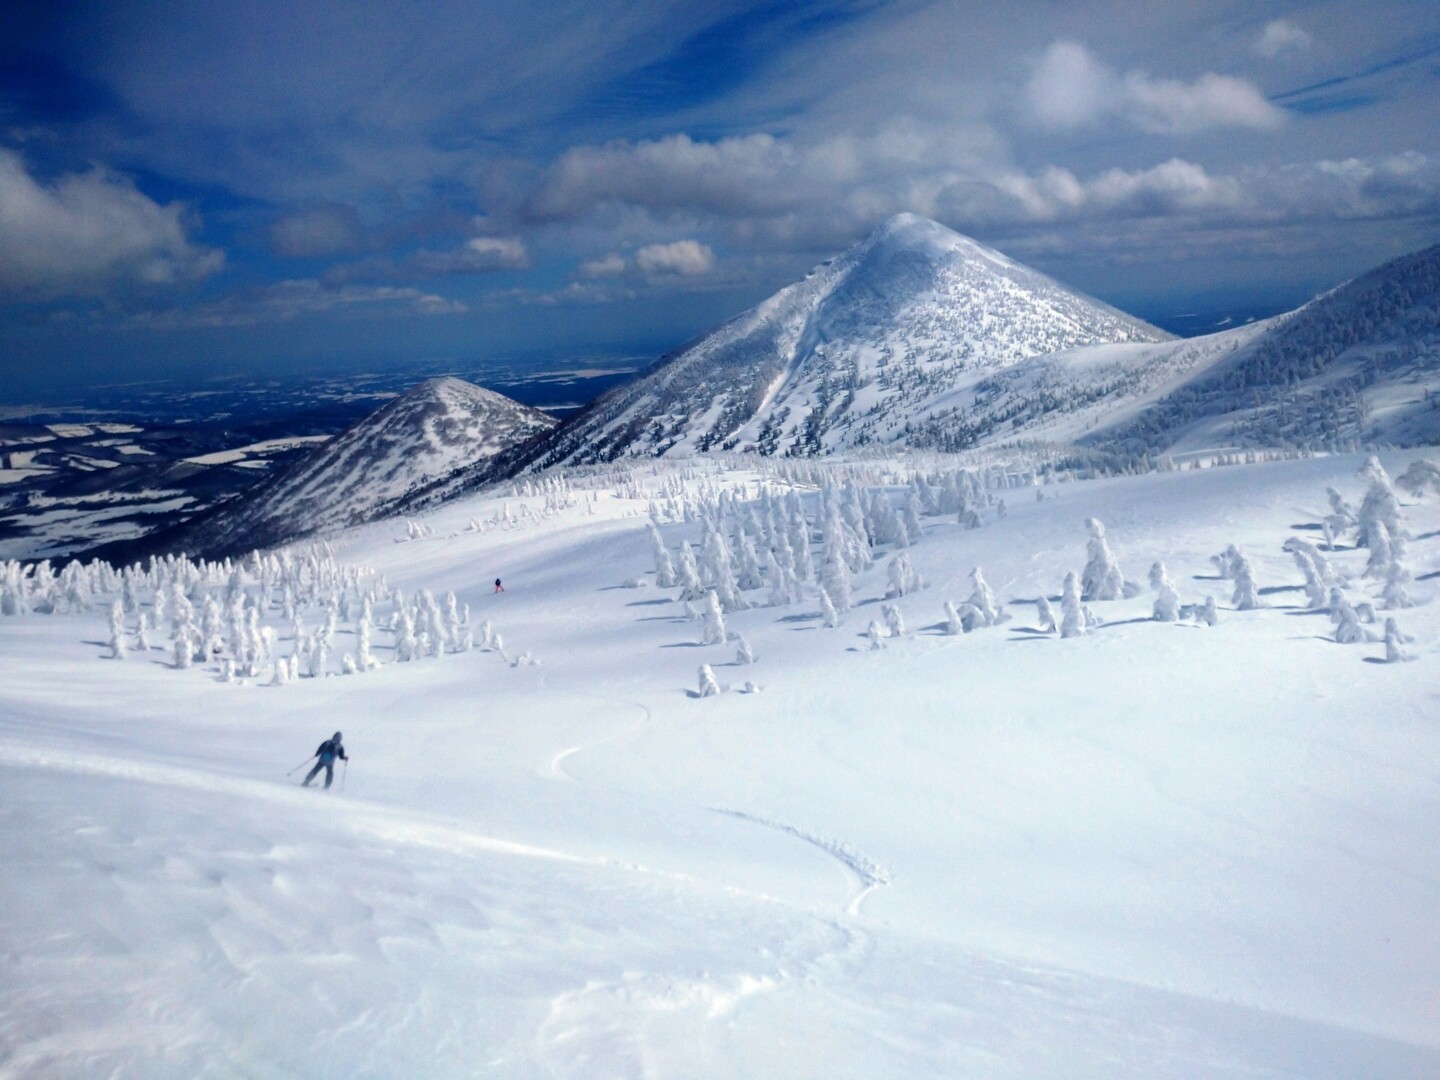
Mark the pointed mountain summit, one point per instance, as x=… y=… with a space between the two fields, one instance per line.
x=424 y=436
x=853 y=354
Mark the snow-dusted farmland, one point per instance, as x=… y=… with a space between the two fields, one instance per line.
x=1154 y=850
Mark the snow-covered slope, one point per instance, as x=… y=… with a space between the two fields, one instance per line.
x=439 y=428
x=1157 y=850
x=1359 y=364
x=853 y=355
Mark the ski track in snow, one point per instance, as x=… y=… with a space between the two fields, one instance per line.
x=556 y=766
x=376 y=820
x=609 y=1019
x=870 y=875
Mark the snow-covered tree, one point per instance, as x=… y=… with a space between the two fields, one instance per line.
x=1420 y=477
x=1394 y=639
x=1379 y=505
x=901 y=577
x=982 y=601
x=783 y=587
x=1326 y=573
x=953 y=623
x=743 y=653
x=117 y=630
x=1224 y=563
x=1397 y=593
x=182 y=611
x=1208 y=614
x=1045 y=615
x=1348 y=630
x=142 y=633
x=708 y=686
x=714 y=620
x=364 y=659
x=1073 y=622
x=875 y=633
x=1102 y=579
x=1167 y=600
x=828 y=613
x=184 y=653
x=687 y=574
x=1315 y=591
x=1246 y=597
x=894 y=620
x=406 y=645
x=320 y=657
x=835 y=581
x=1378 y=565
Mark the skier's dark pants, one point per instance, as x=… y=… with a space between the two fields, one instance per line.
x=328 y=764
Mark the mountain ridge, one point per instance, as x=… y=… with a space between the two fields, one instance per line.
x=791 y=374
x=438 y=428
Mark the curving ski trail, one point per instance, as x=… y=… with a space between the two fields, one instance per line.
x=869 y=874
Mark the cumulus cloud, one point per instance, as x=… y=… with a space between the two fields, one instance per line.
x=683 y=258
x=1071 y=88
x=285 y=301
x=672 y=172
x=90 y=234
x=1279 y=37
x=611 y=265
x=479 y=255
x=1353 y=189
x=317 y=231
x=763 y=191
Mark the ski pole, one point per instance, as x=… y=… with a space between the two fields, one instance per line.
x=344 y=773
x=302 y=764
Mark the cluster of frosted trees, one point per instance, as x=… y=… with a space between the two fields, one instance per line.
x=1378 y=527
x=1101 y=579
x=279 y=616
x=770 y=552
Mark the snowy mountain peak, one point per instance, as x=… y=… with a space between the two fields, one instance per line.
x=914 y=234
x=426 y=435
x=858 y=352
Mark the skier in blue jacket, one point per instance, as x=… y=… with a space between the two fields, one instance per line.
x=329 y=750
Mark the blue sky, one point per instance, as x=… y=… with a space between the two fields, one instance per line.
x=211 y=188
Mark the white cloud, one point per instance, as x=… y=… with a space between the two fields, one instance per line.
x=1399 y=188
x=317 y=231
x=478 y=255
x=89 y=234
x=298 y=298
x=611 y=265
x=683 y=258
x=1071 y=88
x=1280 y=36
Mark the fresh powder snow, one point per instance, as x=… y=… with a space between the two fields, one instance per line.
x=1157 y=848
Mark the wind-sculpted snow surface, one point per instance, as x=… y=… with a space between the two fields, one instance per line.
x=438 y=429
x=1193 y=846
x=853 y=355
